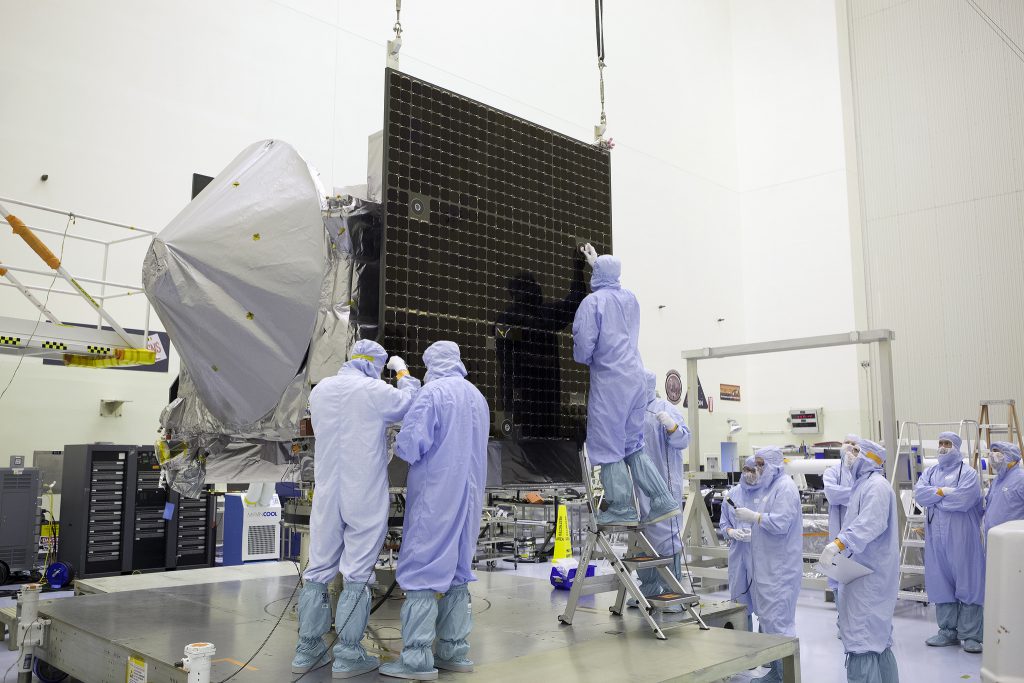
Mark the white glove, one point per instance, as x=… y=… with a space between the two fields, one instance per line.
x=396 y=364
x=830 y=551
x=743 y=535
x=747 y=515
x=736 y=534
x=590 y=253
x=666 y=421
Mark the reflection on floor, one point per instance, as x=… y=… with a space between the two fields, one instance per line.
x=822 y=659
x=821 y=653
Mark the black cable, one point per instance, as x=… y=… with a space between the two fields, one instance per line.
x=383 y=598
x=338 y=630
x=337 y=634
x=272 y=630
x=1000 y=33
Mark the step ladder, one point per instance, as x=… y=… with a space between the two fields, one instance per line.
x=913 y=537
x=1011 y=429
x=641 y=555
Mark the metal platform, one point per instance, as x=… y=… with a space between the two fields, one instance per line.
x=185 y=577
x=43 y=339
x=92 y=636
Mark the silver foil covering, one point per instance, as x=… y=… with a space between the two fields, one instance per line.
x=253 y=281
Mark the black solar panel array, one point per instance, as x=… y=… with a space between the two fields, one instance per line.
x=484 y=212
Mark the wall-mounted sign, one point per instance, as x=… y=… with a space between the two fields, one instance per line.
x=673 y=387
x=729 y=392
x=702 y=400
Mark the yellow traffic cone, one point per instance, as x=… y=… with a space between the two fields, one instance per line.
x=563 y=545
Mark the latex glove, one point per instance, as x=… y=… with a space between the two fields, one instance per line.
x=748 y=515
x=398 y=366
x=741 y=535
x=666 y=421
x=589 y=253
x=829 y=553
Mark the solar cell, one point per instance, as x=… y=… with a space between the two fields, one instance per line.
x=483 y=215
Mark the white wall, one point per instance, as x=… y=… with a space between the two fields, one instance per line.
x=937 y=106
x=795 y=224
x=120 y=107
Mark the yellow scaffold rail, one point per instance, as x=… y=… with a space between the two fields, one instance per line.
x=51 y=260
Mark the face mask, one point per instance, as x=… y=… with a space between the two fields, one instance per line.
x=950 y=457
x=751 y=478
x=943 y=450
x=997 y=461
x=850 y=457
x=856 y=466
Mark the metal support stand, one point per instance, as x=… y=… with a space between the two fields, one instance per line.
x=598 y=546
x=31 y=630
x=700 y=538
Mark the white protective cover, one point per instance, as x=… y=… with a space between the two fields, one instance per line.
x=236 y=279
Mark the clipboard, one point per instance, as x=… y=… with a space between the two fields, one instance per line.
x=844 y=570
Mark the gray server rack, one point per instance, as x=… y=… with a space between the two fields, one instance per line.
x=114 y=517
x=94 y=538
x=192 y=536
x=19 y=520
x=150 y=531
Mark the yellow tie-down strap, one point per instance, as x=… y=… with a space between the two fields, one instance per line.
x=121 y=358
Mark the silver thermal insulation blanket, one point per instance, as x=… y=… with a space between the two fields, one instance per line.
x=252 y=280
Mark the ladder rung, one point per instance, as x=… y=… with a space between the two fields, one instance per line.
x=646 y=561
x=920 y=596
x=913 y=543
x=617 y=528
x=915 y=518
x=604 y=583
x=998 y=402
x=911 y=569
x=669 y=599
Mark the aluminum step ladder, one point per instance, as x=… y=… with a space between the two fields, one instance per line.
x=640 y=555
x=913 y=537
x=987 y=428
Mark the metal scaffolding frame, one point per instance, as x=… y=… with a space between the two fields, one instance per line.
x=49 y=337
x=697 y=525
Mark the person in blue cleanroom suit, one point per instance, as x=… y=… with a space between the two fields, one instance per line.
x=838 y=484
x=444 y=440
x=776 y=549
x=1005 y=501
x=870 y=535
x=739 y=535
x=350 y=414
x=605 y=333
x=954 y=557
x=665 y=437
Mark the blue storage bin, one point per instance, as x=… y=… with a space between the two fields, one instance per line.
x=564 y=583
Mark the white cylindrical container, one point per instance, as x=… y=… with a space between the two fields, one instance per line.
x=198 y=663
x=1003 y=659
